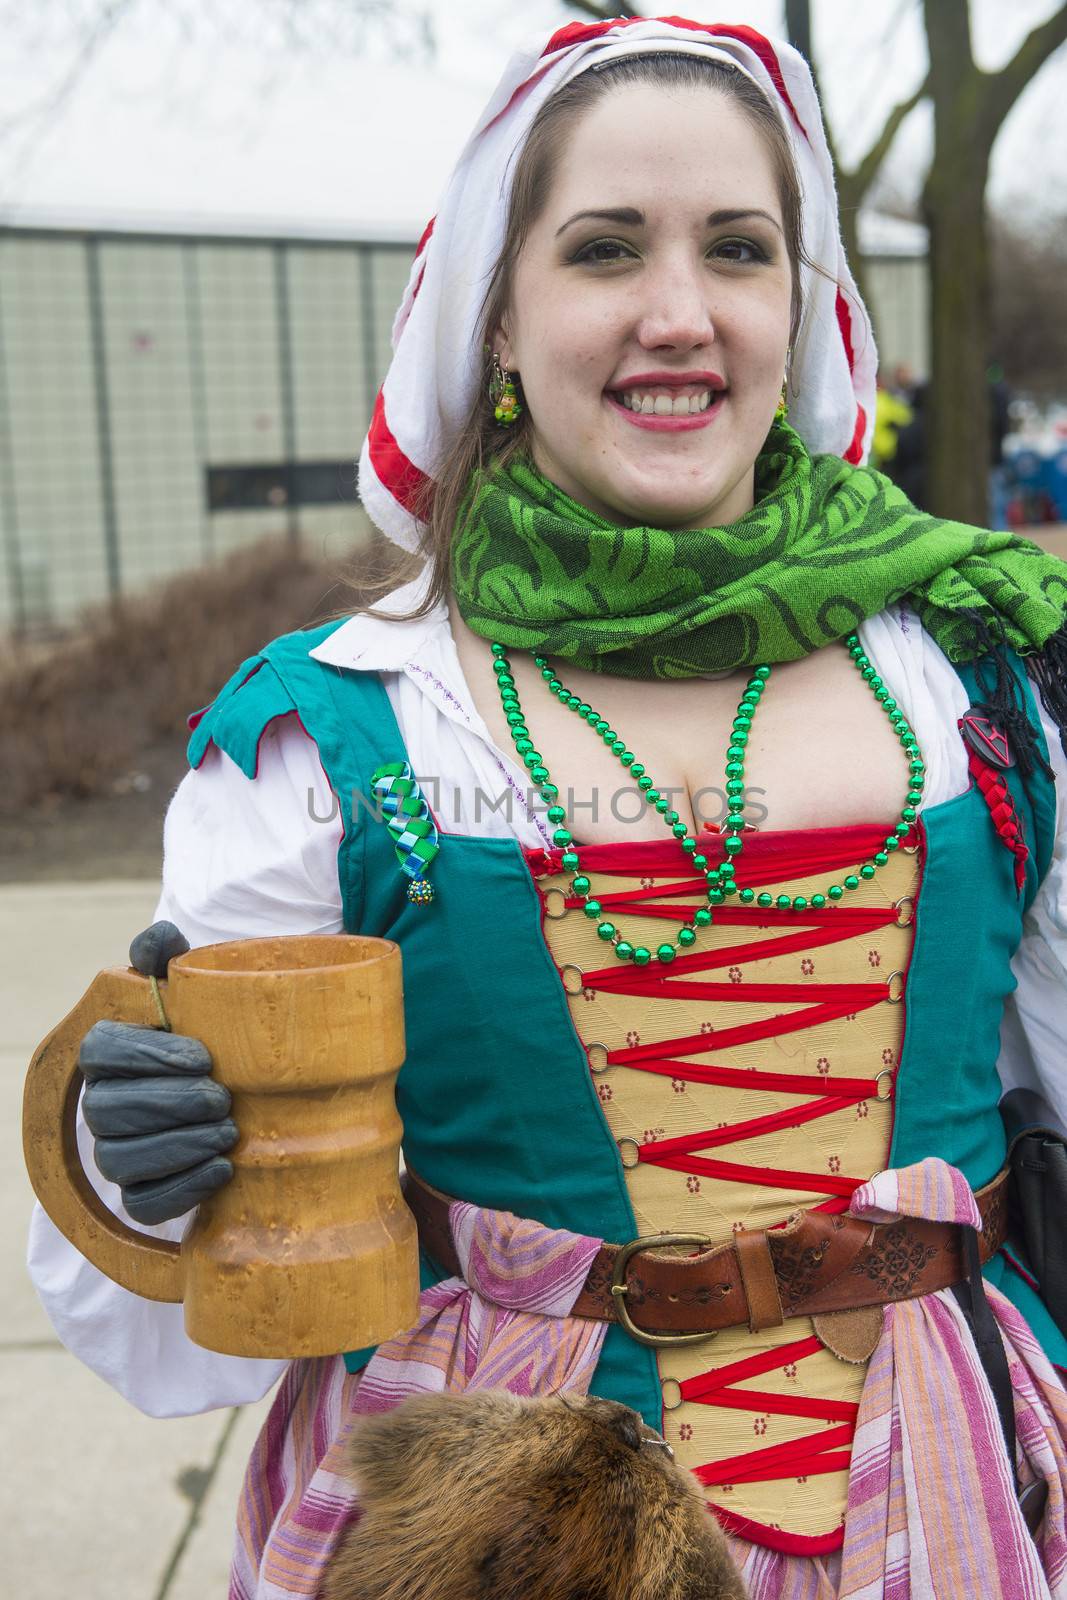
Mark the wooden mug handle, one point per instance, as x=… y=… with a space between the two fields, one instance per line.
x=145 y=1265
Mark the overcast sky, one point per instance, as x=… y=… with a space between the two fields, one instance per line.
x=201 y=112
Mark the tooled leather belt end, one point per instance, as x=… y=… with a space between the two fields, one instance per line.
x=819 y=1263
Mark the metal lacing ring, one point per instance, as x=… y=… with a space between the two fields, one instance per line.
x=560 y=900
x=909 y=901
x=636 y=1162
x=894 y=999
x=599 y=1065
x=886 y=1076
x=674 y=1387
x=570 y=967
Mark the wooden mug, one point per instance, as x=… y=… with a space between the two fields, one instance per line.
x=310 y=1248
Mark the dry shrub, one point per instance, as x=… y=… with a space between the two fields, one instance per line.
x=74 y=714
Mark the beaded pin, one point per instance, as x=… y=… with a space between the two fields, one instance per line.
x=407 y=816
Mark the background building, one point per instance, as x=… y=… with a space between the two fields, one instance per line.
x=165 y=398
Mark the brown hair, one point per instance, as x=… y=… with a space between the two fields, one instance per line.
x=481 y=442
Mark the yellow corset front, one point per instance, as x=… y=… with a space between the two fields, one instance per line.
x=813 y=997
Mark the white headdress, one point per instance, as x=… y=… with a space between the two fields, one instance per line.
x=437 y=360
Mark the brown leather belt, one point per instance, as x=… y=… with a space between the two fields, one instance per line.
x=815 y=1264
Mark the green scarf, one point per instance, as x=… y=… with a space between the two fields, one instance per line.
x=825 y=546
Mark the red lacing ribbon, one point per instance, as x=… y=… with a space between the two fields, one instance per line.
x=767 y=859
x=812 y=1454
x=998 y=797
x=823 y=1002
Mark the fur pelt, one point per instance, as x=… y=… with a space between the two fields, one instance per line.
x=487 y=1496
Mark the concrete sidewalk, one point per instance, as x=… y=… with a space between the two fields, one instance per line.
x=96 y=1500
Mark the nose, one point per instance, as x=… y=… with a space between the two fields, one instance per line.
x=676 y=313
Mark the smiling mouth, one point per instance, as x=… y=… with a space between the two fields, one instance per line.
x=662 y=400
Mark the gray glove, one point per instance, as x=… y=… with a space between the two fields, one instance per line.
x=161 y=1124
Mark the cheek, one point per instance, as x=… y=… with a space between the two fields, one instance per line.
x=764 y=358
x=572 y=339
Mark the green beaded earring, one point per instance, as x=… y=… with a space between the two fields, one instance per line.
x=781 y=410
x=506 y=405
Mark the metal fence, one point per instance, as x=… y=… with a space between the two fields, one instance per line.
x=165 y=399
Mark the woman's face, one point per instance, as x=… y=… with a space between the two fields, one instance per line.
x=651 y=342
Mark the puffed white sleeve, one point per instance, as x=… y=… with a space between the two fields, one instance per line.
x=241 y=858
x=1033 y=1044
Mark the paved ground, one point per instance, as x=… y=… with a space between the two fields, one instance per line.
x=96 y=1500
x=1053 y=538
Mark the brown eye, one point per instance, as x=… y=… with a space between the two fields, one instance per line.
x=742 y=250
x=598 y=250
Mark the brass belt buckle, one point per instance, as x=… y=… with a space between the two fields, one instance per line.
x=620 y=1288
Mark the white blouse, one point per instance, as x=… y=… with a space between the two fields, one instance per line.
x=243 y=859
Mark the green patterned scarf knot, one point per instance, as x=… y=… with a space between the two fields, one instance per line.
x=825 y=546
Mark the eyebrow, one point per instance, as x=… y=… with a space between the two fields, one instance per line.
x=630 y=216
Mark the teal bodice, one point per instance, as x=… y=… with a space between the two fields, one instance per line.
x=495 y=1093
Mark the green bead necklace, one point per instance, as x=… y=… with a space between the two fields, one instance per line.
x=719 y=881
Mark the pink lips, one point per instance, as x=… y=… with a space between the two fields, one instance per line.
x=670 y=380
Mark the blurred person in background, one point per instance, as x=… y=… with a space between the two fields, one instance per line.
x=892 y=411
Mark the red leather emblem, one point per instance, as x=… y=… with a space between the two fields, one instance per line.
x=986 y=740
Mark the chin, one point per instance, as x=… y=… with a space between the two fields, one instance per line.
x=669 y=514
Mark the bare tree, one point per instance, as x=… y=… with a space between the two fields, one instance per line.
x=970 y=107
x=853 y=184
x=605 y=13
x=1028 y=333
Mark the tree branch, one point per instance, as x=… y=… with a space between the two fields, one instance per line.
x=1003 y=88
x=861 y=177
x=798 y=28
x=97 y=35
x=604 y=13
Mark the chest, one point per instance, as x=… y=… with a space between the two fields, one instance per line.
x=820 y=753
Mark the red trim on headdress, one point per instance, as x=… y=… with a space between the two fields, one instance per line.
x=578 y=32
x=854 y=454
x=844 y=322
x=404 y=481
x=419 y=248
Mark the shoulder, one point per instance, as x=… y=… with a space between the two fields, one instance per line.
x=322 y=675
x=252 y=698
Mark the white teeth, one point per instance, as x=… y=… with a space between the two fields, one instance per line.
x=663 y=405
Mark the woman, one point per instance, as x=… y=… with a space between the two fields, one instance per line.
x=625 y=1019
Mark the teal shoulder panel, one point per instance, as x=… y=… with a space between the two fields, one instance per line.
x=968 y=922
x=348 y=714
x=247 y=702
x=1042 y=788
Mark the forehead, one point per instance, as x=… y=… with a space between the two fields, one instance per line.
x=658 y=147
